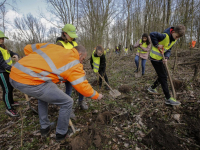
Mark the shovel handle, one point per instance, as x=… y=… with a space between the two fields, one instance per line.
x=72 y=126
x=26 y=96
x=170 y=79
x=105 y=82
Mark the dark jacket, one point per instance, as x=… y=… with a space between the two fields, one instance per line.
x=102 y=65
x=3 y=65
x=157 y=37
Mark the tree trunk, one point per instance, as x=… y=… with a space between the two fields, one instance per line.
x=168 y=11
x=196 y=72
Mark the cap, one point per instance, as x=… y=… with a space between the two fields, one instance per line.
x=2 y=35
x=70 y=30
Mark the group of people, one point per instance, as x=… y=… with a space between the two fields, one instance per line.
x=46 y=65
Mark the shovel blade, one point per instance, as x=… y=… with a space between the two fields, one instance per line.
x=114 y=93
x=138 y=75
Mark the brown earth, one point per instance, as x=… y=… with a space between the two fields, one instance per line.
x=134 y=120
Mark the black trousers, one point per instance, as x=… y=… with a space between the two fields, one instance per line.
x=102 y=72
x=7 y=90
x=162 y=77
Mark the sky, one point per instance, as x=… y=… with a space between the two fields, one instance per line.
x=25 y=7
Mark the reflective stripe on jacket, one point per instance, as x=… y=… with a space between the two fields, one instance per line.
x=155 y=53
x=68 y=45
x=52 y=63
x=6 y=57
x=140 y=50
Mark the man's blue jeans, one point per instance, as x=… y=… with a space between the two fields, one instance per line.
x=68 y=91
x=143 y=63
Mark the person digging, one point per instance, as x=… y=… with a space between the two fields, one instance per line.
x=37 y=74
x=164 y=40
x=98 y=64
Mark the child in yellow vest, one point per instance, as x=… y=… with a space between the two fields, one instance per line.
x=126 y=50
x=98 y=64
x=164 y=40
x=143 y=46
x=5 y=68
x=68 y=41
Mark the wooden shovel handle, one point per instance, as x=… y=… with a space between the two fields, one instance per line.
x=26 y=96
x=170 y=79
x=72 y=126
x=105 y=82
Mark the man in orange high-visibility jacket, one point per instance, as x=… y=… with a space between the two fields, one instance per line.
x=37 y=73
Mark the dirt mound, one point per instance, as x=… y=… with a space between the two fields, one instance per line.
x=179 y=85
x=104 y=118
x=88 y=137
x=95 y=83
x=81 y=142
x=124 y=89
x=192 y=119
x=161 y=137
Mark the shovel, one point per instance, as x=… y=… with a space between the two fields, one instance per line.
x=113 y=93
x=170 y=78
x=138 y=74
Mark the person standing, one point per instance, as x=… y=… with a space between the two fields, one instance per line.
x=5 y=67
x=126 y=50
x=143 y=46
x=68 y=41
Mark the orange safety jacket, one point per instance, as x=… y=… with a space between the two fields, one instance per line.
x=47 y=62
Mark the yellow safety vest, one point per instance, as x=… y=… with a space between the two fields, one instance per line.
x=68 y=45
x=155 y=53
x=126 y=49
x=6 y=57
x=107 y=50
x=96 y=62
x=140 y=50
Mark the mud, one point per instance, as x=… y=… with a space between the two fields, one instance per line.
x=179 y=85
x=124 y=89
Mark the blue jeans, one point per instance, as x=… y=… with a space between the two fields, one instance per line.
x=143 y=63
x=68 y=91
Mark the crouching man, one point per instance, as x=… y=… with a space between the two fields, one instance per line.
x=37 y=74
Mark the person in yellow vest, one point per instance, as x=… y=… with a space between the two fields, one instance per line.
x=164 y=40
x=143 y=46
x=68 y=41
x=117 y=50
x=126 y=50
x=5 y=67
x=108 y=50
x=98 y=64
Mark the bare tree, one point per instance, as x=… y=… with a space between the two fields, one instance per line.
x=30 y=29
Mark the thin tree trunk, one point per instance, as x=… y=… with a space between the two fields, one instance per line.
x=196 y=72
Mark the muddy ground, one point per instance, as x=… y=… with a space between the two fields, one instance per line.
x=134 y=120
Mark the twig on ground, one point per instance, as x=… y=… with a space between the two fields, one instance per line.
x=4 y=129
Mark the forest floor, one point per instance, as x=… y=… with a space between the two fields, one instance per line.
x=134 y=120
